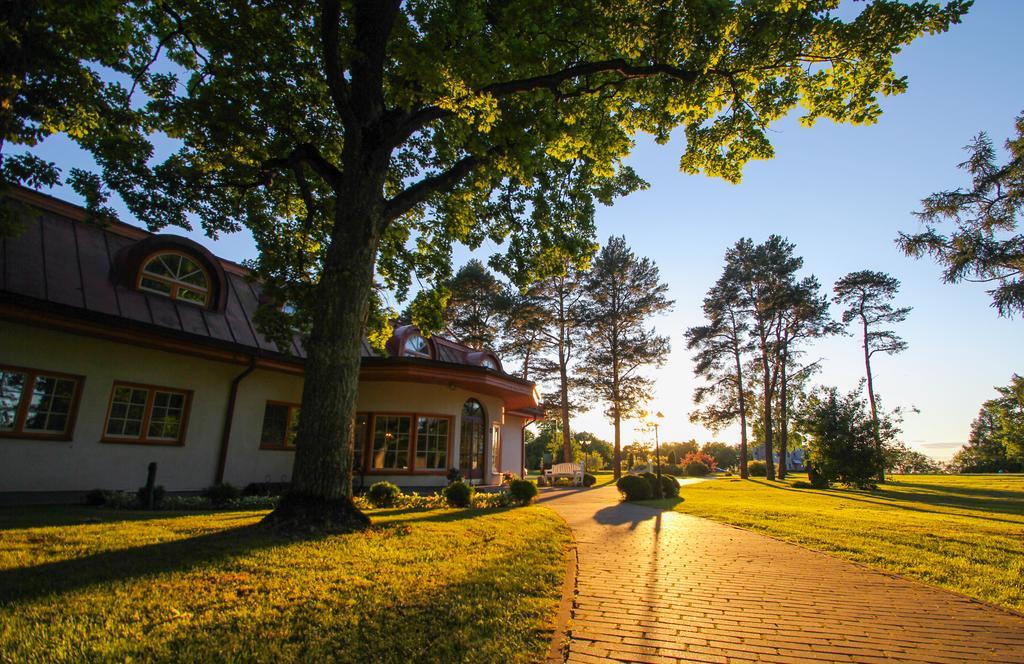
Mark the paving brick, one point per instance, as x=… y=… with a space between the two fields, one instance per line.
x=664 y=587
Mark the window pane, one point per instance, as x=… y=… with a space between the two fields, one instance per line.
x=12 y=384
x=359 y=442
x=275 y=424
x=155 y=285
x=159 y=267
x=391 y=442
x=50 y=404
x=431 y=443
x=165 y=420
x=191 y=296
x=175 y=276
x=293 y=427
x=127 y=409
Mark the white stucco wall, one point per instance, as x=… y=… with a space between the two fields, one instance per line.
x=85 y=463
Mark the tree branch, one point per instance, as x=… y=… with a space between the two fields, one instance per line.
x=330 y=25
x=415 y=194
x=304 y=153
x=419 y=118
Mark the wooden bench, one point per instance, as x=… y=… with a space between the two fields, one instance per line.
x=573 y=471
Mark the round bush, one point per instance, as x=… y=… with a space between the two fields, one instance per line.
x=669 y=487
x=383 y=494
x=142 y=495
x=96 y=497
x=458 y=494
x=588 y=479
x=522 y=491
x=697 y=469
x=222 y=494
x=757 y=469
x=634 y=487
x=652 y=482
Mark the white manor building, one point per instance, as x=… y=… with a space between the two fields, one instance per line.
x=119 y=347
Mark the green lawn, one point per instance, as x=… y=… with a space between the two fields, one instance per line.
x=87 y=584
x=964 y=533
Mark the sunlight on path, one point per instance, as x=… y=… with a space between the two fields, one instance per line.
x=663 y=586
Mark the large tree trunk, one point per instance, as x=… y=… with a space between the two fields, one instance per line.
x=767 y=417
x=871 y=399
x=320 y=496
x=783 y=416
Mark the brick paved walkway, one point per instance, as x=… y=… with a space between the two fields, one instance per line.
x=662 y=586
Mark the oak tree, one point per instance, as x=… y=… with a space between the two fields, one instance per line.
x=360 y=140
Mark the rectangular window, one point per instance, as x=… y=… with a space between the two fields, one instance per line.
x=391 y=436
x=432 y=443
x=37 y=404
x=359 y=441
x=280 y=424
x=147 y=414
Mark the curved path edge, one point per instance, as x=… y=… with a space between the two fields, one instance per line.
x=655 y=586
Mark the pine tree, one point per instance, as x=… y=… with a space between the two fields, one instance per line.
x=868 y=295
x=623 y=293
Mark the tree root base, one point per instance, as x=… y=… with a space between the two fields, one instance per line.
x=299 y=515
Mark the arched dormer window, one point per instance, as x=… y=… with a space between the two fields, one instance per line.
x=416 y=346
x=484 y=358
x=175 y=275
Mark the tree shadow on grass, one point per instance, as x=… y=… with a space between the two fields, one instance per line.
x=46 y=516
x=180 y=555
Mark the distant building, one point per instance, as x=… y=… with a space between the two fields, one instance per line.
x=119 y=347
x=794 y=458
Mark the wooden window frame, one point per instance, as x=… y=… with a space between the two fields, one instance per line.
x=22 y=412
x=362 y=468
x=174 y=283
x=414 y=419
x=143 y=437
x=283 y=446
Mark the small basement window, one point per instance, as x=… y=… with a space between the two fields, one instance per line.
x=177 y=276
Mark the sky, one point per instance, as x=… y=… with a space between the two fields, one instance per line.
x=841 y=194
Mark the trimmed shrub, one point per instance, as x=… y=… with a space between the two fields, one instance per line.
x=142 y=495
x=757 y=469
x=266 y=488
x=96 y=497
x=589 y=480
x=669 y=487
x=522 y=491
x=383 y=494
x=221 y=494
x=458 y=494
x=697 y=468
x=491 y=500
x=634 y=487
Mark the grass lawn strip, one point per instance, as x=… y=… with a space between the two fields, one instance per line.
x=439 y=585
x=962 y=533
